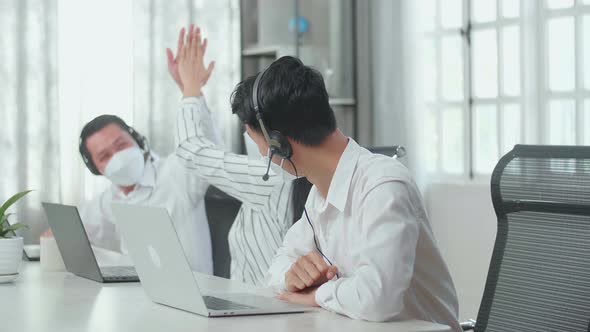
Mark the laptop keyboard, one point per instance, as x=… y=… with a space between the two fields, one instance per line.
x=118 y=272
x=216 y=303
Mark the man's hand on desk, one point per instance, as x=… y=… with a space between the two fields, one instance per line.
x=191 y=67
x=304 y=297
x=308 y=271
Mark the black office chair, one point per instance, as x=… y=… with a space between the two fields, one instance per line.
x=222 y=209
x=396 y=151
x=539 y=275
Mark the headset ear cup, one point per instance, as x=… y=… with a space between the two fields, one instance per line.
x=90 y=164
x=141 y=142
x=87 y=159
x=138 y=138
x=280 y=144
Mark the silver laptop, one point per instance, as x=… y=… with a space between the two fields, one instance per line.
x=75 y=248
x=167 y=278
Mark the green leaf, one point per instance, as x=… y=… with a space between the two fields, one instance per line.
x=5 y=227
x=12 y=229
x=4 y=219
x=11 y=201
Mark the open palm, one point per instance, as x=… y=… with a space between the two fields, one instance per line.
x=198 y=69
x=173 y=60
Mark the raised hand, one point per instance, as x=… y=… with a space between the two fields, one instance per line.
x=191 y=67
x=173 y=60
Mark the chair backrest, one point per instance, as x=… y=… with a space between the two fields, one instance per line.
x=222 y=209
x=539 y=275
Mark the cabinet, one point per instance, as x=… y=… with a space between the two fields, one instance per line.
x=321 y=33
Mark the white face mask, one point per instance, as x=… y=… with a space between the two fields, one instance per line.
x=278 y=169
x=254 y=153
x=251 y=147
x=126 y=167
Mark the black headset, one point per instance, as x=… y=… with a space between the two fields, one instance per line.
x=278 y=144
x=141 y=141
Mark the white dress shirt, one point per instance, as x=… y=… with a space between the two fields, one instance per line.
x=266 y=211
x=165 y=183
x=374 y=228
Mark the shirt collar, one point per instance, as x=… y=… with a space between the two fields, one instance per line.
x=149 y=174
x=340 y=184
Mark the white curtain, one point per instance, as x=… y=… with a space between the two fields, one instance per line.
x=157 y=23
x=29 y=134
x=397 y=65
x=63 y=62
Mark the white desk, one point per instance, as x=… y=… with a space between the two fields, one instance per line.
x=58 y=301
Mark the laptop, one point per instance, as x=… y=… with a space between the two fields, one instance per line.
x=75 y=248
x=166 y=274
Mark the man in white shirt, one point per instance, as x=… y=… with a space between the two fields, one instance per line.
x=111 y=148
x=364 y=247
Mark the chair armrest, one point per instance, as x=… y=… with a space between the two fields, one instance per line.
x=468 y=325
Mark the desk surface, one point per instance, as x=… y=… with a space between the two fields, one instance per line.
x=58 y=301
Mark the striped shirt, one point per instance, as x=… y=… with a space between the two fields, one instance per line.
x=266 y=212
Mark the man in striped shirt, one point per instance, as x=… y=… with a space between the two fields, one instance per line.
x=266 y=211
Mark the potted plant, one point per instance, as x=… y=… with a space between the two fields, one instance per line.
x=11 y=246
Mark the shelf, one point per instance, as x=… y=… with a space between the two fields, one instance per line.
x=261 y=51
x=342 y=102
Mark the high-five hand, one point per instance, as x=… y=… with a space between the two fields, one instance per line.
x=191 y=68
x=173 y=61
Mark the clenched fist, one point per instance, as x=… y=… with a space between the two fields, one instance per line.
x=308 y=271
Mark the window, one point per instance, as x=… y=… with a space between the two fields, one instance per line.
x=566 y=83
x=473 y=50
x=496 y=98
x=480 y=88
x=445 y=91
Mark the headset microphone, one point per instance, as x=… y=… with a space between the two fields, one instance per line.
x=265 y=176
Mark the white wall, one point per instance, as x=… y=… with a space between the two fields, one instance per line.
x=464 y=223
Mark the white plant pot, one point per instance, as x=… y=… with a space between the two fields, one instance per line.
x=11 y=253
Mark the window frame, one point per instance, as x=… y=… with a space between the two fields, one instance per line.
x=470 y=101
x=579 y=94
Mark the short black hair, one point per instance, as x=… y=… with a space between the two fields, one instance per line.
x=97 y=124
x=293 y=100
x=94 y=126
